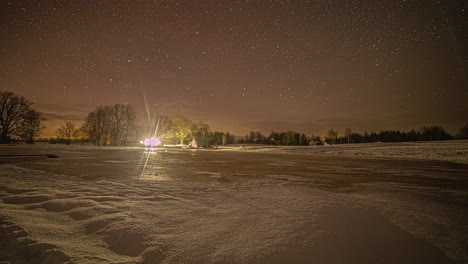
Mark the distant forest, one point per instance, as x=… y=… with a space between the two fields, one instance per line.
x=118 y=125
x=430 y=133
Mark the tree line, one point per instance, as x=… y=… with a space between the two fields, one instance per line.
x=118 y=125
x=292 y=138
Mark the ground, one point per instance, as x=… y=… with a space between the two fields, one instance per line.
x=391 y=203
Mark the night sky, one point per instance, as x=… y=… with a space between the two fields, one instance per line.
x=243 y=65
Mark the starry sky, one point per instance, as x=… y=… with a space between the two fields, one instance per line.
x=243 y=65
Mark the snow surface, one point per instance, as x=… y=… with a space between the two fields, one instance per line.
x=104 y=205
x=453 y=150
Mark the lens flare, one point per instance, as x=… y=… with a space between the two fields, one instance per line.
x=152 y=142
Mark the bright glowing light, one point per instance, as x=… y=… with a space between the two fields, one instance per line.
x=153 y=142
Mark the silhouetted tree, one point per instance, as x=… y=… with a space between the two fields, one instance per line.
x=31 y=126
x=274 y=138
x=332 y=136
x=110 y=124
x=230 y=138
x=289 y=138
x=121 y=119
x=116 y=123
x=217 y=138
x=202 y=133
x=356 y=138
x=81 y=134
x=130 y=118
x=463 y=132
x=97 y=123
x=315 y=140
x=224 y=138
x=259 y=138
x=14 y=114
x=252 y=136
x=348 y=134
x=303 y=139
x=365 y=137
x=434 y=133
x=413 y=135
x=66 y=131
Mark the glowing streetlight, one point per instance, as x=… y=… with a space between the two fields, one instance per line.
x=151 y=142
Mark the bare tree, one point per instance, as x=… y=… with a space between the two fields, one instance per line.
x=82 y=133
x=67 y=131
x=13 y=111
x=117 y=123
x=31 y=126
x=120 y=119
x=110 y=124
x=90 y=126
x=98 y=125
x=130 y=117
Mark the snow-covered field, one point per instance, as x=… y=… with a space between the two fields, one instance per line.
x=120 y=205
x=453 y=150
